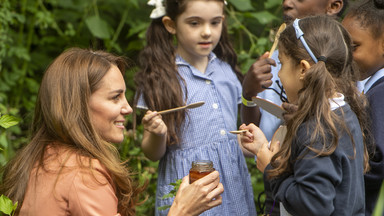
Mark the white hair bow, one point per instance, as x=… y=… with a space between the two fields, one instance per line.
x=159 y=11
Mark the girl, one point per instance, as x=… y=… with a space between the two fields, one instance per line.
x=319 y=168
x=202 y=67
x=70 y=166
x=365 y=24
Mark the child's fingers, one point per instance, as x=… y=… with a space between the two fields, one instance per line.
x=149 y=115
x=275 y=146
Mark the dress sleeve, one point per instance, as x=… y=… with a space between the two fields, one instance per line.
x=310 y=190
x=92 y=195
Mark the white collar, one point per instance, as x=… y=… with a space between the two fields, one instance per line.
x=337 y=101
x=376 y=76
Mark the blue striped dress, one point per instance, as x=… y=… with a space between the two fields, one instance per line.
x=205 y=137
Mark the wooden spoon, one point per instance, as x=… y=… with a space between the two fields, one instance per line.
x=238 y=131
x=277 y=36
x=189 y=106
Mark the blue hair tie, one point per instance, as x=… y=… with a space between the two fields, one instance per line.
x=300 y=35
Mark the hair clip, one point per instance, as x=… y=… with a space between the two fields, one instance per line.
x=159 y=11
x=300 y=35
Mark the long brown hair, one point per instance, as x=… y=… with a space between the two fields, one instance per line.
x=158 y=80
x=62 y=117
x=325 y=37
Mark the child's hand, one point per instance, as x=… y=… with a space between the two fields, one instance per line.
x=265 y=155
x=290 y=110
x=253 y=139
x=153 y=123
x=258 y=75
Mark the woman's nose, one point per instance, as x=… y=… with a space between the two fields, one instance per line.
x=126 y=109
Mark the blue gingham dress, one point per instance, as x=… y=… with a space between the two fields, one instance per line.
x=205 y=136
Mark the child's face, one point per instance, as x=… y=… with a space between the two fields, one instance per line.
x=289 y=75
x=368 y=52
x=293 y=9
x=198 y=29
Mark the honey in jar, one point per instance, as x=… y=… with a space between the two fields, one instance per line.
x=200 y=168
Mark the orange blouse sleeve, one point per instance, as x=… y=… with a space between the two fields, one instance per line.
x=92 y=194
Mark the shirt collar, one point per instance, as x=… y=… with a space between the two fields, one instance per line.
x=180 y=61
x=376 y=76
x=337 y=101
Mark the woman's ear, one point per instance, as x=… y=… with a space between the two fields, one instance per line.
x=169 y=24
x=304 y=66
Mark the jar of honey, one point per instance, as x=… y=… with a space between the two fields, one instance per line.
x=200 y=168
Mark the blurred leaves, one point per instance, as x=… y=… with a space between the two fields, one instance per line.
x=7 y=121
x=6 y=205
x=98 y=27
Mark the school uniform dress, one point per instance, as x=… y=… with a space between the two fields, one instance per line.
x=374 y=91
x=76 y=192
x=327 y=185
x=205 y=136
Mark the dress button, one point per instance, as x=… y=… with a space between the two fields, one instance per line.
x=208 y=82
x=215 y=106
x=222 y=132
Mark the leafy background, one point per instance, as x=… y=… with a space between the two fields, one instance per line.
x=34 y=32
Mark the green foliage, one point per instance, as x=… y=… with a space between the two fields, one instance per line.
x=34 y=32
x=7 y=206
x=7 y=121
x=172 y=193
x=379 y=209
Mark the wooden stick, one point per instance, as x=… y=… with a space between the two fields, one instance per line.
x=172 y=110
x=277 y=36
x=238 y=131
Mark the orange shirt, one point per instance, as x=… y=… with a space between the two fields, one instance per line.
x=77 y=191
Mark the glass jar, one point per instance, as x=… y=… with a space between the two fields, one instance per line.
x=200 y=168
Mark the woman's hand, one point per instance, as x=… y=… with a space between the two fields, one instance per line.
x=253 y=139
x=153 y=123
x=194 y=199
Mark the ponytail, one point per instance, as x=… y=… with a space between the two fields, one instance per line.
x=158 y=79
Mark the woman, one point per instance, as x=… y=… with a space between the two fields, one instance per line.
x=70 y=166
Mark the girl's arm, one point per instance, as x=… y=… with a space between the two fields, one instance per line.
x=154 y=137
x=311 y=189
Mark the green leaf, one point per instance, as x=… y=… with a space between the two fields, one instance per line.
x=264 y=17
x=6 y=205
x=166 y=196
x=379 y=209
x=272 y=3
x=242 y=5
x=98 y=27
x=164 y=207
x=7 y=121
